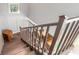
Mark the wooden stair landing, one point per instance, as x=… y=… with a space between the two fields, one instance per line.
x=16 y=47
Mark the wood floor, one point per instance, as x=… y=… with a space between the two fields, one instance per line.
x=16 y=47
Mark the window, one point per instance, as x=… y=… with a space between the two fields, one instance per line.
x=14 y=8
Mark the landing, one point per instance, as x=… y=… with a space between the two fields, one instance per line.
x=16 y=47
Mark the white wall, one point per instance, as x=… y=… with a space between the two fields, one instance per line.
x=46 y=13
x=3 y=13
x=49 y=13
x=14 y=20
x=24 y=8
x=11 y=21
x=9 y=18
x=3 y=21
x=3 y=8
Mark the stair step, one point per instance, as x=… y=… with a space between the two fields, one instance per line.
x=24 y=52
x=32 y=53
x=18 y=51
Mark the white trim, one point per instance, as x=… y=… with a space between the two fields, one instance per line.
x=71 y=20
x=31 y=21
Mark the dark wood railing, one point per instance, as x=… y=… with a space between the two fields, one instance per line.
x=70 y=36
x=38 y=40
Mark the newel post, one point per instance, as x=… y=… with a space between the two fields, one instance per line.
x=57 y=31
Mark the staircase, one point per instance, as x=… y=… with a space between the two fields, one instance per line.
x=39 y=39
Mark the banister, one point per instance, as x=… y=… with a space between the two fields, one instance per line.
x=37 y=34
x=50 y=24
x=60 y=23
x=71 y=19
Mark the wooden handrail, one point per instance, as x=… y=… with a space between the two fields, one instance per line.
x=50 y=24
x=60 y=23
x=72 y=19
x=39 y=41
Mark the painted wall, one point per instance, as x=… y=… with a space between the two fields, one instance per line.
x=46 y=13
x=24 y=8
x=12 y=21
x=49 y=13
x=3 y=22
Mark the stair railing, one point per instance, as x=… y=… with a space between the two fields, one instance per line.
x=38 y=39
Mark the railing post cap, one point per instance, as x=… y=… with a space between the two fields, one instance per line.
x=62 y=16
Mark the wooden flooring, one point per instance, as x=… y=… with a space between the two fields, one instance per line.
x=16 y=47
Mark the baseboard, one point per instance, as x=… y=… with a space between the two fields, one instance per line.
x=16 y=33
